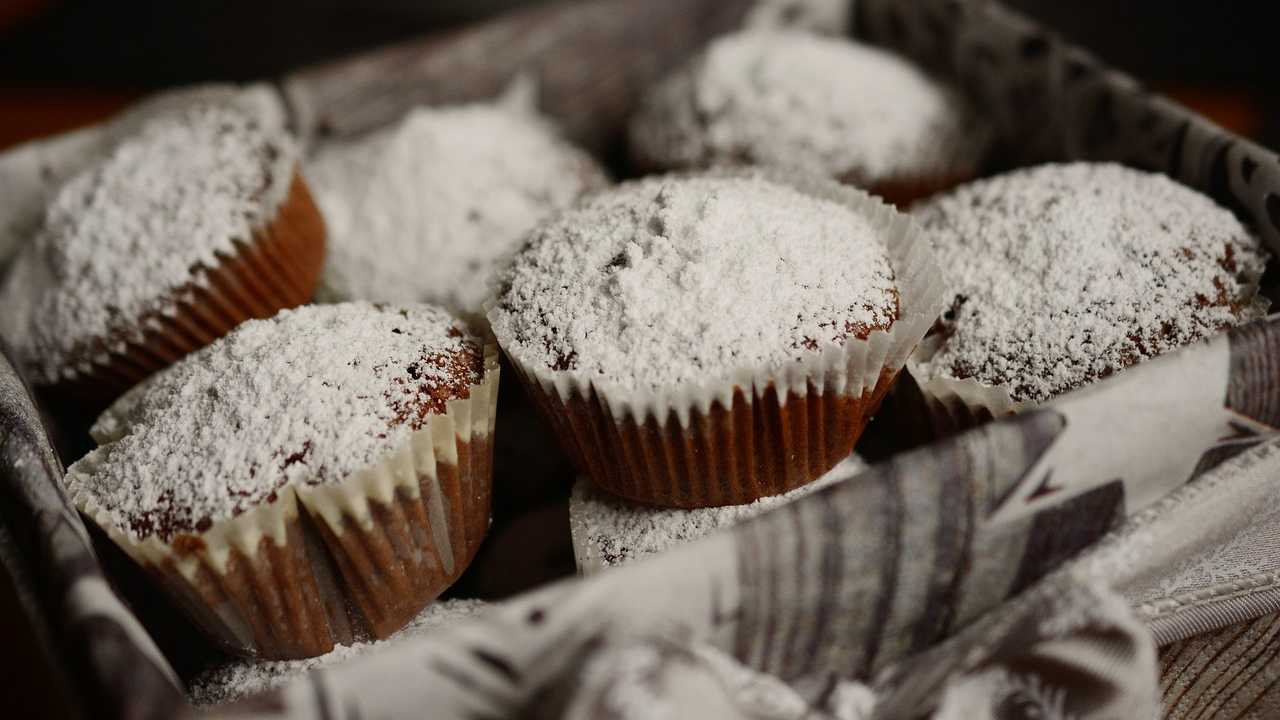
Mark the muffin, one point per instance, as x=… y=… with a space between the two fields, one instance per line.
x=608 y=532
x=307 y=480
x=826 y=106
x=33 y=172
x=1063 y=274
x=713 y=339
x=422 y=211
x=191 y=225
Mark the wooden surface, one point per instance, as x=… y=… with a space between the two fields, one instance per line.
x=31 y=113
x=1232 y=674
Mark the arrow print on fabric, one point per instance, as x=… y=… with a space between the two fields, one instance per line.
x=1044 y=489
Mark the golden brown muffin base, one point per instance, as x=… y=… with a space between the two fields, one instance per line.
x=394 y=568
x=273 y=596
x=322 y=588
x=727 y=456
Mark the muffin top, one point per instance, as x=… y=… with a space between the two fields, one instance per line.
x=309 y=396
x=790 y=99
x=1064 y=274
x=121 y=239
x=673 y=280
x=421 y=211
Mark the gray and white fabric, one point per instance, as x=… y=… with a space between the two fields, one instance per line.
x=44 y=544
x=1230 y=674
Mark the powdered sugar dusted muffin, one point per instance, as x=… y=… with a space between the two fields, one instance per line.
x=33 y=172
x=1064 y=274
x=307 y=479
x=608 y=532
x=828 y=106
x=241 y=677
x=709 y=340
x=423 y=210
x=187 y=227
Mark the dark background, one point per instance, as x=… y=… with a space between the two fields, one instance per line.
x=65 y=63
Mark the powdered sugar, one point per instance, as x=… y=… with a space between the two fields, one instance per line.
x=119 y=238
x=32 y=173
x=766 y=697
x=608 y=531
x=983 y=695
x=791 y=99
x=633 y=680
x=655 y=678
x=421 y=211
x=688 y=278
x=1067 y=273
x=243 y=677
x=310 y=396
